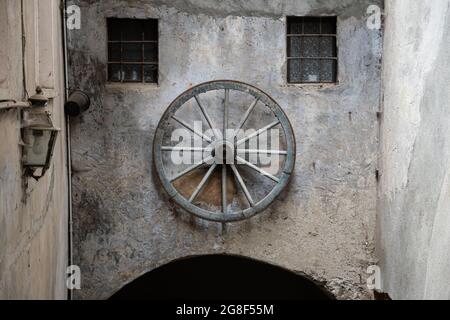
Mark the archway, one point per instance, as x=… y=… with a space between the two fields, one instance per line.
x=220 y=277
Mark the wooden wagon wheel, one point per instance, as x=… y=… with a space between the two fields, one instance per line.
x=225 y=154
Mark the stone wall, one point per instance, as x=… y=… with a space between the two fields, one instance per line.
x=323 y=226
x=414 y=203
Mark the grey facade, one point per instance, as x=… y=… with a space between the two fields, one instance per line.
x=323 y=226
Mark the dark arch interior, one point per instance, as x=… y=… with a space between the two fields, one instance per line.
x=220 y=277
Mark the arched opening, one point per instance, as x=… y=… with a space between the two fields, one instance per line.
x=219 y=277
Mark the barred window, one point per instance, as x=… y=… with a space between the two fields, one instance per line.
x=311 y=49
x=132 y=50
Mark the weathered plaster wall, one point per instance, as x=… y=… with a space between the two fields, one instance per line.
x=33 y=219
x=415 y=151
x=323 y=226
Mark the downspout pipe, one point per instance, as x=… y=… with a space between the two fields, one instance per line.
x=68 y=144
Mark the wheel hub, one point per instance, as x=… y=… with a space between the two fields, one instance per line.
x=224 y=153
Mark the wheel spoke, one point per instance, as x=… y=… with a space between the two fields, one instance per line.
x=224 y=166
x=225 y=113
x=190 y=169
x=263 y=172
x=224 y=189
x=187 y=149
x=258 y=151
x=243 y=186
x=246 y=115
x=206 y=115
x=187 y=126
x=259 y=132
x=203 y=183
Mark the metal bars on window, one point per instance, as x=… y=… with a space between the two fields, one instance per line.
x=133 y=50
x=311 y=50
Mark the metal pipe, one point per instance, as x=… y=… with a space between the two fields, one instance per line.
x=68 y=145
